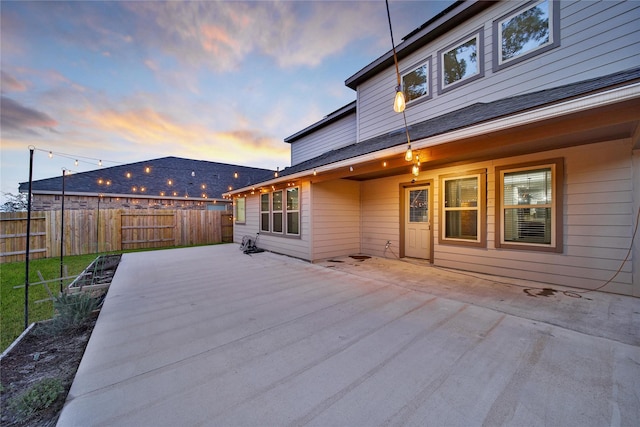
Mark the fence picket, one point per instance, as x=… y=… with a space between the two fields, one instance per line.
x=118 y=229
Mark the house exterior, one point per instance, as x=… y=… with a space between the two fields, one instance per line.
x=168 y=182
x=523 y=119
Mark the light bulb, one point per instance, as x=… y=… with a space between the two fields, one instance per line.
x=415 y=170
x=76 y=163
x=99 y=162
x=408 y=156
x=50 y=154
x=398 y=103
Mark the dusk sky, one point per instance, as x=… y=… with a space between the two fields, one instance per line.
x=217 y=81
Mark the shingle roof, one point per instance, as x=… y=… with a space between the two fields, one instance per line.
x=216 y=178
x=468 y=116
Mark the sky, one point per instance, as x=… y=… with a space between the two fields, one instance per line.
x=219 y=81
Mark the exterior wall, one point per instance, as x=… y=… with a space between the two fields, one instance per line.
x=635 y=255
x=336 y=219
x=336 y=135
x=598 y=216
x=381 y=215
x=46 y=202
x=596 y=38
x=292 y=246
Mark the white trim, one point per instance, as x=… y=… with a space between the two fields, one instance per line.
x=602 y=99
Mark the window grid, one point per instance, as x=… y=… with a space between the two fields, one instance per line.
x=280 y=212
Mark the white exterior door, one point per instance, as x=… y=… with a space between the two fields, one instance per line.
x=417 y=228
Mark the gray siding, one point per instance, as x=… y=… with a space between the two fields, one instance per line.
x=336 y=219
x=598 y=215
x=335 y=135
x=597 y=38
x=298 y=247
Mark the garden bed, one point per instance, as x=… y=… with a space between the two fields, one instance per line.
x=43 y=353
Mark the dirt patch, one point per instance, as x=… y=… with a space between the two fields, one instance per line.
x=36 y=357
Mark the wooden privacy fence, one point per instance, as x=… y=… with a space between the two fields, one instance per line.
x=105 y=230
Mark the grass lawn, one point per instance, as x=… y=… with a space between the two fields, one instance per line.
x=12 y=300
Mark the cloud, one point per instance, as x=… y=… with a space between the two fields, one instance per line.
x=10 y=83
x=17 y=118
x=146 y=130
x=221 y=35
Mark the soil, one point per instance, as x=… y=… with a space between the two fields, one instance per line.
x=36 y=357
x=40 y=355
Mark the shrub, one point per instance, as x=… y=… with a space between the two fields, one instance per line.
x=38 y=397
x=72 y=310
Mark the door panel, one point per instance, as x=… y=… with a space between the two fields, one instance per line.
x=417 y=228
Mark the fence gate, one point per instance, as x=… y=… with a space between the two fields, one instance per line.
x=227 y=227
x=148 y=230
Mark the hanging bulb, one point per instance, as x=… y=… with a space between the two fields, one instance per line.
x=399 y=103
x=415 y=170
x=50 y=154
x=193 y=173
x=276 y=173
x=408 y=156
x=76 y=163
x=99 y=162
x=315 y=173
x=235 y=174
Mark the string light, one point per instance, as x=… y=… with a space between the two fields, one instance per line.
x=235 y=175
x=147 y=169
x=76 y=162
x=276 y=173
x=50 y=154
x=408 y=155
x=100 y=163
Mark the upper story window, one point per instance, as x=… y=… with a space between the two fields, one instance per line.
x=461 y=62
x=529 y=30
x=463 y=216
x=416 y=84
x=530 y=206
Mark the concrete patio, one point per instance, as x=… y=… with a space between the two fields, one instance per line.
x=210 y=336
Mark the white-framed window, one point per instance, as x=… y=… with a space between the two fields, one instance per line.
x=265 y=203
x=525 y=32
x=416 y=83
x=293 y=211
x=276 y=212
x=529 y=206
x=461 y=62
x=240 y=210
x=280 y=212
x=463 y=213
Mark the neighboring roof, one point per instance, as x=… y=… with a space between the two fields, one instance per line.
x=216 y=178
x=468 y=116
x=449 y=18
x=330 y=118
